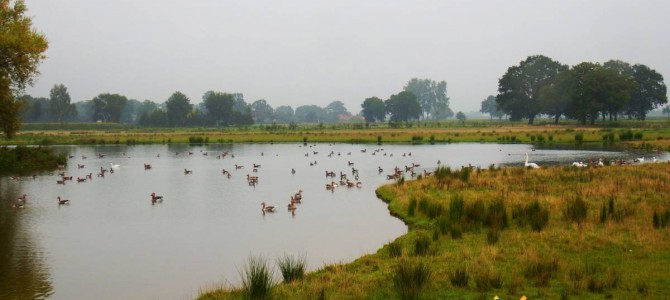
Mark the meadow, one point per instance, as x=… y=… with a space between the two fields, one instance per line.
x=552 y=233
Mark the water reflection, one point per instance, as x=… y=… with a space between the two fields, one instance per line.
x=23 y=274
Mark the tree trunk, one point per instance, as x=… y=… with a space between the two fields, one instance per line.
x=530 y=120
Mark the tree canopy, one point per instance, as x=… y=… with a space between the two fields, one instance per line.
x=373 y=110
x=432 y=97
x=108 y=107
x=60 y=107
x=403 y=107
x=519 y=88
x=178 y=108
x=489 y=106
x=21 y=50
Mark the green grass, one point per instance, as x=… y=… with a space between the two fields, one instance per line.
x=625 y=257
x=292 y=267
x=257 y=279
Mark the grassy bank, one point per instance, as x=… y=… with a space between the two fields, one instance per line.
x=551 y=233
x=28 y=160
x=654 y=135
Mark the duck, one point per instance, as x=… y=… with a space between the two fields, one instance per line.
x=63 y=201
x=268 y=208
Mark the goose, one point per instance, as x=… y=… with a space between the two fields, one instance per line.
x=331 y=185
x=268 y=208
x=291 y=206
x=187 y=171
x=21 y=200
x=530 y=165
x=155 y=198
x=63 y=201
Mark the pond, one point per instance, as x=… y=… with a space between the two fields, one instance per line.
x=111 y=242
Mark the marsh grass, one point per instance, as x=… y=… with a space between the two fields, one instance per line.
x=409 y=278
x=257 y=278
x=395 y=249
x=292 y=267
x=459 y=277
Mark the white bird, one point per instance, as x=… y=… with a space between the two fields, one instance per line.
x=653 y=159
x=530 y=165
x=600 y=162
x=114 y=166
x=639 y=159
x=579 y=164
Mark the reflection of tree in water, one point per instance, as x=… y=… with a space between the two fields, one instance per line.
x=23 y=274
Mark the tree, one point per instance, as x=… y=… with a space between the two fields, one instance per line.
x=131 y=112
x=178 y=109
x=403 y=107
x=432 y=97
x=649 y=92
x=21 y=50
x=60 y=106
x=156 y=118
x=262 y=112
x=519 y=88
x=309 y=114
x=108 y=107
x=34 y=109
x=489 y=106
x=373 y=110
x=666 y=111
x=219 y=107
x=284 y=114
x=335 y=110
x=553 y=100
x=461 y=117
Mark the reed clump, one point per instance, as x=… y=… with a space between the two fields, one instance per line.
x=257 y=278
x=410 y=278
x=292 y=267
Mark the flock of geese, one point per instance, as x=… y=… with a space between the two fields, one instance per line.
x=344 y=180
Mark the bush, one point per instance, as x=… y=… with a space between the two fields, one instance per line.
x=292 y=268
x=409 y=279
x=579 y=137
x=257 y=279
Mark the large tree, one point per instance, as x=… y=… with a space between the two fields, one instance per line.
x=519 y=88
x=21 y=50
x=108 y=107
x=489 y=106
x=403 y=107
x=284 y=114
x=60 y=104
x=432 y=97
x=178 y=108
x=373 y=109
x=34 y=109
x=219 y=107
x=650 y=92
x=262 y=111
x=309 y=114
x=335 y=110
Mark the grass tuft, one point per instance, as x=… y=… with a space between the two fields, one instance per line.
x=409 y=279
x=257 y=279
x=291 y=267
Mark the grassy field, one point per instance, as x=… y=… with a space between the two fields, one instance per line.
x=550 y=233
x=649 y=135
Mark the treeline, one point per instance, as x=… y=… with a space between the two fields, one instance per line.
x=584 y=92
x=420 y=99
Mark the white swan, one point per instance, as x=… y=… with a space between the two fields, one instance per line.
x=579 y=164
x=600 y=162
x=530 y=165
x=116 y=167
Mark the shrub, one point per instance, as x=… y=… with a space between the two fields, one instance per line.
x=496 y=215
x=579 y=137
x=257 y=279
x=459 y=277
x=532 y=214
x=409 y=279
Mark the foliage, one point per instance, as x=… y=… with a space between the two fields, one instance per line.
x=284 y=114
x=649 y=93
x=336 y=111
x=460 y=116
x=490 y=106
x=262 y=112
x=519 y=88
x=373 y=110
x=432 y=97
x=178 y=108
x=60 y=106
x=21 y=51
x=108 y=107
x=219 y=107
x=403 y=107
x=27 y=160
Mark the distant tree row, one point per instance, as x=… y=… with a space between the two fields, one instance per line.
x=584 y=92
x=225 y=109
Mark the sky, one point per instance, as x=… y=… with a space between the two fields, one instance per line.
x=314 y=52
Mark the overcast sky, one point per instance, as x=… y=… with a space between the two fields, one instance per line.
x=317 y=51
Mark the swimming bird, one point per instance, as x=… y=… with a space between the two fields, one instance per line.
x=579 y=164
x=187 y=171
x=63 y=201
x=155 y=198
x=114 y=166
x=530 y=165
x=268 y=208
